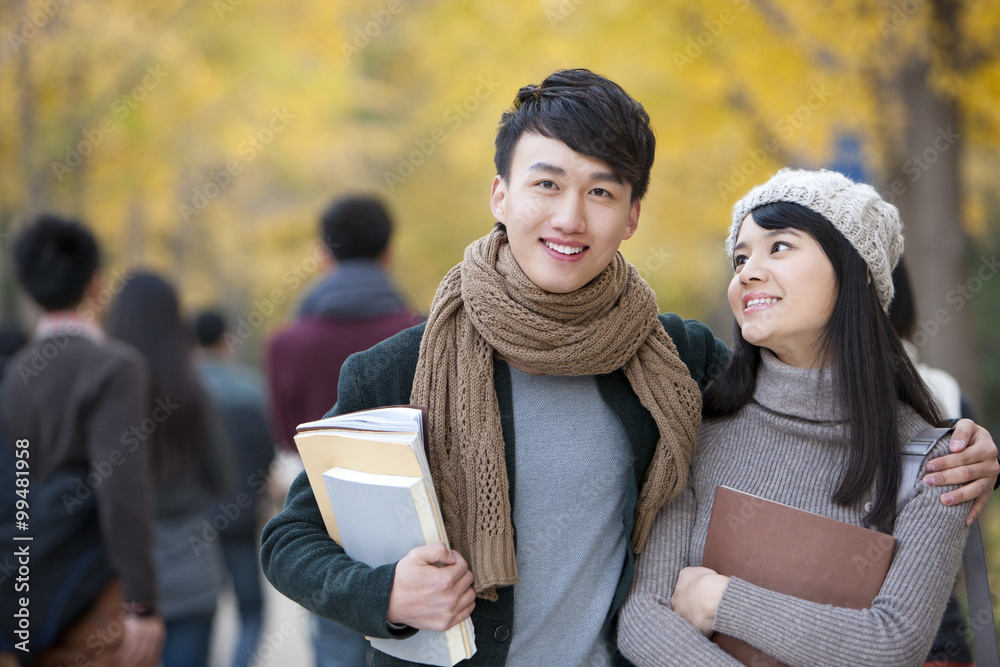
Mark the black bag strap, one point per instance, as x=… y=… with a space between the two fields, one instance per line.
x=977 y=584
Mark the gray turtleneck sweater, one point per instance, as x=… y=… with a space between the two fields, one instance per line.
x=789 y=445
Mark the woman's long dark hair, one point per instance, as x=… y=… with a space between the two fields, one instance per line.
x=874 y=369
x=146 y=314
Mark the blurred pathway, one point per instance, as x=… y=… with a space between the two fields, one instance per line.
x=285 y=640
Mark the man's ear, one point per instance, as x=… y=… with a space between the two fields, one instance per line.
x=326 y=259
x=94 y=287
x=498 y=199
x=633 y=219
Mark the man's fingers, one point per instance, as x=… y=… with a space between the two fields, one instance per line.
x=962 y=475
x=965 y=493
x=433 y=554
x=466 y=611
x=977 y=507
x=962 y=435
x=954 y=460
x=462 y=580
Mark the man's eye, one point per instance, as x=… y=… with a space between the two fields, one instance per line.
x=601 y=192
x=548 y=185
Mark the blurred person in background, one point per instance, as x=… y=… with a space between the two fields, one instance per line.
x=70 y=395
x=238 y=393
x=189 y=465
x=12 y=339
x=950 y=649
x=354 y=306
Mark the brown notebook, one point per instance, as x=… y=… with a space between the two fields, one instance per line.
x=791 y=551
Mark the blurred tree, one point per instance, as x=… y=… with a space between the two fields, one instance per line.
x=204 y=138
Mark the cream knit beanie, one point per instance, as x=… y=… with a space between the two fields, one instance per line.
x=856 y=210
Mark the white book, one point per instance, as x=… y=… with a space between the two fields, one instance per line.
x=381 y=517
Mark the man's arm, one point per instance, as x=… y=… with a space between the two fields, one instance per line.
x=703 y=353
x=302 y=562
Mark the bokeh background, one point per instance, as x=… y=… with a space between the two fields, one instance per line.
x=202 y=139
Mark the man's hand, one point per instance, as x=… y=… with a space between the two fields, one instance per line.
x=697 y=596
x=432 y=589
x=142 y=641
x=973 y=462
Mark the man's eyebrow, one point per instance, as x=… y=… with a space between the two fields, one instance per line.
x=559 y=171
x=607 y=176
x=549 y=168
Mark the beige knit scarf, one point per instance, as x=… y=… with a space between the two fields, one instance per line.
x=486 y=306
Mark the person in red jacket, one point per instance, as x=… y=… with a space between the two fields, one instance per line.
x=354 y=306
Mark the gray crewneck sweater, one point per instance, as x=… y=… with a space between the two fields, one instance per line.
x=788 y=445
x=570 y=545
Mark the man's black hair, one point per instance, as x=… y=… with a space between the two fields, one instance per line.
x=589 y=113
x=54 y=259
x=209 y=326
x=356 y=227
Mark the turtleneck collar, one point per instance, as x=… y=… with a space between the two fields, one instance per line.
x=805 y=393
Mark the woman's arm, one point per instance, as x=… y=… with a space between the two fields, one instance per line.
x=899 y=627
x=649 y=632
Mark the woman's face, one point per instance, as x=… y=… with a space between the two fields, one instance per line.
x=783 y=292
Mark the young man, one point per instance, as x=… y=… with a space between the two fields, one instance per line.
x=70 y=399
x=560 y=403
x=354 y=306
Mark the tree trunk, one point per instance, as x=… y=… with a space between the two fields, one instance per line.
x=925 y=180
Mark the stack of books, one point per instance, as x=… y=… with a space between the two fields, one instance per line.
x=369 y=473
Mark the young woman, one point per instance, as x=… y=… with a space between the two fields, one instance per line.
x=189 y=465
x=811 y=411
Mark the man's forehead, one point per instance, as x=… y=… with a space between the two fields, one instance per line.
x=535 y=152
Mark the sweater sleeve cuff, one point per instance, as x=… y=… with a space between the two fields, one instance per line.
x=736 y=599
x=377 y=616
x=400 y=631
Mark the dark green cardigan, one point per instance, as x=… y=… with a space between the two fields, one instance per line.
x=307 y=566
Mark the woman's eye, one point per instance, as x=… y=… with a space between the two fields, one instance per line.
x=779 y=246
x=739 y=260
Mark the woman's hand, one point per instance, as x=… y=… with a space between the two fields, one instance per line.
x=697 y=595
x=973 y=462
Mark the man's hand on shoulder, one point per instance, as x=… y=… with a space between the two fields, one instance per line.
x=432 y=589
x=973 y=463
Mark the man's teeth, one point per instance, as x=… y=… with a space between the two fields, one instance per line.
x=564 y=249
x=757 y=302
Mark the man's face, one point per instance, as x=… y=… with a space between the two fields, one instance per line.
x=566 y=213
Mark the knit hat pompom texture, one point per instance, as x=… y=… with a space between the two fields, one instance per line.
x=856 y=210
